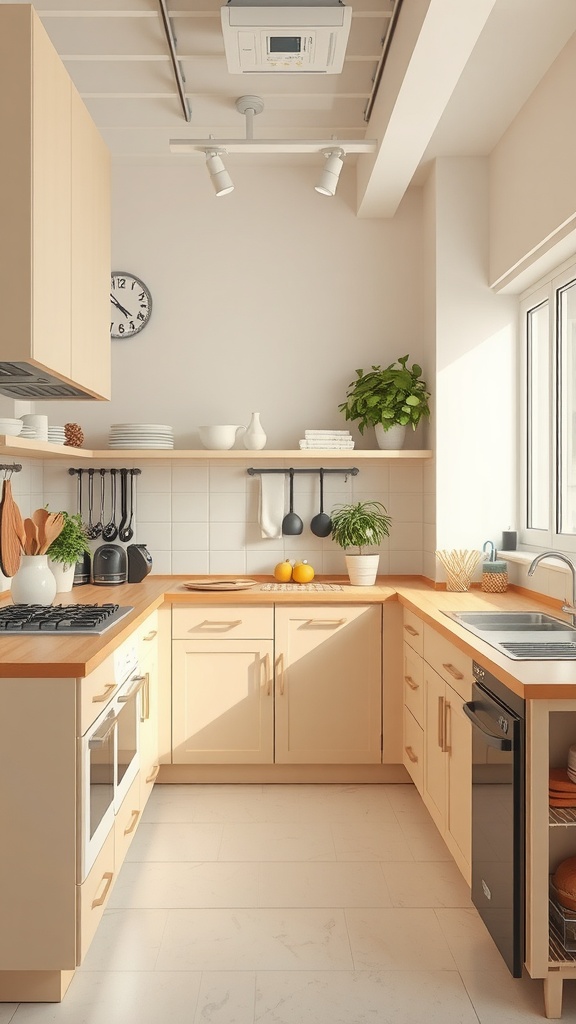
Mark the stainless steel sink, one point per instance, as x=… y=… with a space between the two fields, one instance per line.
x=519 y=635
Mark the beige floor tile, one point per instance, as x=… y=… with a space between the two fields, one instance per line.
x=269 y=940
x=179 y=885
x=126 y=940
x=272 y=841
x=498 y=998
x=168 y=841
x=397 y=939
x=7 y=1011
x=121 y=997
x=204 y=804
x=426 y=884
x=226 y=997
x=327 y=803
x=367 y=841
x=406 y=803
x=390 y=997
x=425 y=841
x=469 y=940
x=325 y=884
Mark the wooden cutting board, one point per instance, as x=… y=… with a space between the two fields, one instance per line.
x=10 y=520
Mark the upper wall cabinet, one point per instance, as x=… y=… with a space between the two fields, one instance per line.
x=55 y=216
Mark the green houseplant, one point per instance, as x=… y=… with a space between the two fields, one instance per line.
x=360 y=525
x=396 y=396
x=67 y=549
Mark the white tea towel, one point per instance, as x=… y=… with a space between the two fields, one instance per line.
x=271 y=504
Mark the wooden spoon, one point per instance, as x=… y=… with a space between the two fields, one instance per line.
x=52 y=528
x=39 y=517
x=31 y=533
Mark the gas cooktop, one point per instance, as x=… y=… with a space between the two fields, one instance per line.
x=89 y=619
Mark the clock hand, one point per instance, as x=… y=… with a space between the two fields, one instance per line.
x=121 y=308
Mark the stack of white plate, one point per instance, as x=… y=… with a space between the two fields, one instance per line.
x=56 y=435
x=140 y=435
x=28 y=432
x=10 y=427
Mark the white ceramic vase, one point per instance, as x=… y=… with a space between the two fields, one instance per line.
x=362 y=569
x=254 y=437
x=63 y=574
x=34 y=583
x=391 y=439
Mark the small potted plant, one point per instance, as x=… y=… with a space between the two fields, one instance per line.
x=67 y=549
x=389 y=400
x=364 y=524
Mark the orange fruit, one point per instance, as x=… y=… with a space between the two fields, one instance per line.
x=283 y=572
x=302 y=572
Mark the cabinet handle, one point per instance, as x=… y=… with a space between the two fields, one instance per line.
x=228 y=624
x=145 y=711
x=447 y=714
x=413 y=757
x=109 y=689
x=138 y=684
x=150 y=635
x=153 y=774
x=280 y=669
x=326 y=622
x=441 y=722
x=411 y=631
x=267 y=675
x=107 y=878
x=411 y=683
x=133 y=823
x=454 y=672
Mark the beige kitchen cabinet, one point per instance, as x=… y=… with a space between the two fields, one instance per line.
x=413 y=690
x=222 y=685
x=55 y=215
x=148 y=654
x=328 y=684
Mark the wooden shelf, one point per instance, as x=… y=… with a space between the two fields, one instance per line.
x=20 y=447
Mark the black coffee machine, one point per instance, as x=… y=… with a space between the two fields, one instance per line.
x=139 y=562
x=109 y=565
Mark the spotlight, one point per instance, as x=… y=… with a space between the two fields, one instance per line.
x=329 y=178
x=221 y=180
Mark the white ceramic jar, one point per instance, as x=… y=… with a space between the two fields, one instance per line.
x=34 y=583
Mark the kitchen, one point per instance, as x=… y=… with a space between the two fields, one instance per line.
x=305 y=359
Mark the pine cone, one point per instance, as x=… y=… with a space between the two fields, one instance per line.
x=74 y=435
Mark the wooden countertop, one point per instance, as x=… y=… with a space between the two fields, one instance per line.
x=51 y=656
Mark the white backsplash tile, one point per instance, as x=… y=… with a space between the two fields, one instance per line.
x=406 y=537
x=406 y=563
x=161 y=561
x=228 y=562
x=406 y=478
x=190 y=536
x=154 y=508
x=227 y=508
x=228 y=478
x=190 y=507
x=155 y=535
x=227 y=536
x=405 y=508
x=190 y=478
x=154 y=478
x=193 y=562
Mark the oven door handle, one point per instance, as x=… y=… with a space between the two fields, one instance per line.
x=138 y=682
x=99 y=737
x=499 y=742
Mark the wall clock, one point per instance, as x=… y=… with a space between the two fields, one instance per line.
x=130 y=304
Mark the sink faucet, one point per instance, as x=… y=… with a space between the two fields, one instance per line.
x=571 y=608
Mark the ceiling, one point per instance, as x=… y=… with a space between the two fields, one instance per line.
x=456 y=74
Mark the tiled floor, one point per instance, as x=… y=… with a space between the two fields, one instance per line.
x=291 y=905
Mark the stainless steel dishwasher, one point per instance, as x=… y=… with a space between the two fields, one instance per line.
x=498 y=818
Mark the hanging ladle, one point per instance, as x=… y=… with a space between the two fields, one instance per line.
x=292 y=524
x=110 y=531
x=321 y=524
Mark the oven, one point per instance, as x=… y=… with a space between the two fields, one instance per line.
x=109 y=758
x=498 y=818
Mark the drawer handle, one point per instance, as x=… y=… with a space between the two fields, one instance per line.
x=326 y=622
x=441 y=722
x=150 y=635
x=411 y=683
x=107 y=878
x=134 y=821
x=454 y=672
x=413 y=757
x=411 y=631
x=153 y=774
x=138 y=683
x=109 y=689
x=221 y=626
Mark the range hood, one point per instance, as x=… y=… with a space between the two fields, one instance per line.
x=24 y=380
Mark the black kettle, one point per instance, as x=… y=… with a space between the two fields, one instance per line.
x=109 y=564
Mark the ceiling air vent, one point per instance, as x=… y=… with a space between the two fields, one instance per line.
x=21 y=380
x=292 y=39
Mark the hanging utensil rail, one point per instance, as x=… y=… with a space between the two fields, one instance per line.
x=346 y=472
x=13 y=468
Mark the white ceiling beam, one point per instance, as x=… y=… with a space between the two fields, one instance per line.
x=432 y=43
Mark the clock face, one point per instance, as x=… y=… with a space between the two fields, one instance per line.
x=130 y=305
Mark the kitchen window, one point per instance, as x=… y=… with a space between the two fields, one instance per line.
x=548 y=491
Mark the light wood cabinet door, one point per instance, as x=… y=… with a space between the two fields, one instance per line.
x=459 y=742
x=328 y=684
x=222 y=702
x=435 y=759
x=149 y=739
x=413 y=753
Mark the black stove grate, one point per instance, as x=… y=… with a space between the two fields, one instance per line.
x=90 y=619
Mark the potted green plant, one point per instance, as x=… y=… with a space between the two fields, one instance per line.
x=67 y=549
x=360 y=525
x=389 y=400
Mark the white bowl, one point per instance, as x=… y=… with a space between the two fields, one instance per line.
x=11 y=427
x=220 y=437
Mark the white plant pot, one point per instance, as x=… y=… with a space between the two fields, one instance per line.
x=362 y=569
x=64 y=576
x=391 y=439
x=33 y=583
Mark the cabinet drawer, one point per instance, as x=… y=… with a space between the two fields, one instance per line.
x=413 y=631
x=204 y=622
x=126 y=822
x=413 y=750
x=448 y=661
x=413 y=682
x=146 y=634
x=92 y=896
x=94 y=692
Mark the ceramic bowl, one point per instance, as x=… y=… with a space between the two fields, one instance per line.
x=10 y=427
x=219 y=437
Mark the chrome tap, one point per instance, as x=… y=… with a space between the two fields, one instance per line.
x=570 y=608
